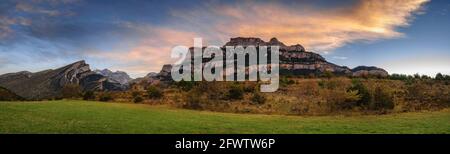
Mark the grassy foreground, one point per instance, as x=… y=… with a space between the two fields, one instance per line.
x=98 y=117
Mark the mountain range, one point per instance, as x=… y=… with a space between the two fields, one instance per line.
x=294 y=60
x=118 y=76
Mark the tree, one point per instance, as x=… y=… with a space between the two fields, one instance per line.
x=439 y=76
x=416 y=76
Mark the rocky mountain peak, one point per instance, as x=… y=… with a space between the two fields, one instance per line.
x=105 y=72
x=245 y=41
x=151 y=74
x=71 y=73
x=49 y=83
x=274 y=41
x=369 y=71
x=118 y=76
x=297 y=47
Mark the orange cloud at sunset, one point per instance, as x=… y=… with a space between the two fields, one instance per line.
x=317 y=29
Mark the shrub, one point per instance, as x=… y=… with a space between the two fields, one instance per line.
x=327 y=74
x=235 y=92
x=105 y=97
x=329 y=83
x=284 y=81
x=88 y=95
x=258 y=98
x=135 y=94
x=185 y=85
x=382 y=99
x=194 y=99
x=362 y=91
x=310 y=88
x=138 y=99
x=351 y=99
x=250 y=87
x=71 y=91
x=154 y=92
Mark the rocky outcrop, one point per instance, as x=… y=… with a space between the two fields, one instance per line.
x=118 y=76
x=163 y=78
x=365 y=71
x=49 y=83
x=294 y=59
x=151 y=74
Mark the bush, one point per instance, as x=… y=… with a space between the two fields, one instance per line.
x=71 y=91
x=185 y=85
x=258 y=98
x=362 y=92
x=235 y=92
x=154 y=92
x=135 y=94
x=88 y=95
x=138 y=99
x=105 y=97
x=382 y=99
x=327 y=74
x=250 y=87
x=194 y=99
x=284 y=81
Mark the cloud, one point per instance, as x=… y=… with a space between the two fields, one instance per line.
x=315 y=28
x=149 y=53
x=27 y=13
x=26 y=7
x=340 y=57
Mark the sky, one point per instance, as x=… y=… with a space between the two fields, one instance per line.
x=136 y=36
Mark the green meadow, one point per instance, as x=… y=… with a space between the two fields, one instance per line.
x=87 y=117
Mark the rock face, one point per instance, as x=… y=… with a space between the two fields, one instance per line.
x=295 y=60
x=151 y=74
x=162 y=78
x=118 y=76
x=49 y=83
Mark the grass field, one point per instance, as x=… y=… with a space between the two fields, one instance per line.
x=98 y=117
